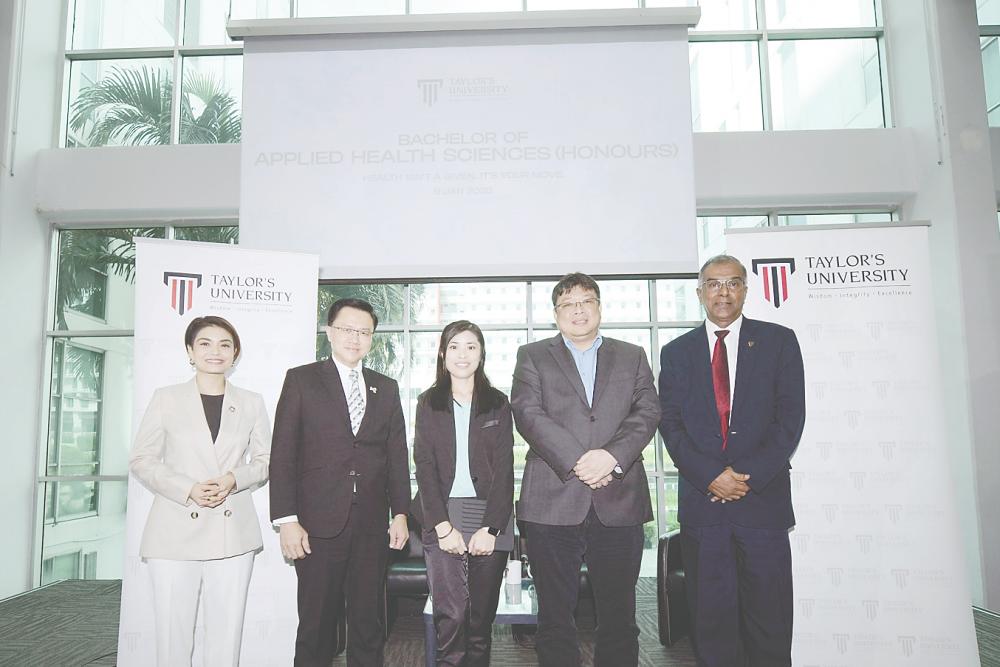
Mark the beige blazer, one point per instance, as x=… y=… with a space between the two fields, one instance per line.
x=173 y=451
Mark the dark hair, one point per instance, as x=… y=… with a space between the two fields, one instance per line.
x=199 y=323
x=571 y=280
x=359 y=304
x=721 y=259
x=484 y=395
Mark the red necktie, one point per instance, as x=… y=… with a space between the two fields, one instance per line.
x=720 y=381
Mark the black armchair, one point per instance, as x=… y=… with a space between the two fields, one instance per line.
x=406 y=576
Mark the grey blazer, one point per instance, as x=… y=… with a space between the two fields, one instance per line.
x=551 y=413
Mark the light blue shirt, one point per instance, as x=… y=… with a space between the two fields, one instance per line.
x=462 y=486
x=586 y=364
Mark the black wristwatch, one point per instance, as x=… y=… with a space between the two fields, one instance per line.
x=494 y=531
x=617 y=472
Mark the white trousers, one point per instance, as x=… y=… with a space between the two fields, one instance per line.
x=223 y=585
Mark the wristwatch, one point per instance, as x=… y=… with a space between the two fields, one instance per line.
x=494 y=531
x=617 y=472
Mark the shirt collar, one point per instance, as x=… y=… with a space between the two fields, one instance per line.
x=733 y=329
x=344 y=369
x=593 y=346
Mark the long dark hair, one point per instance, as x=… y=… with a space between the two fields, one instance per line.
x=484 y=395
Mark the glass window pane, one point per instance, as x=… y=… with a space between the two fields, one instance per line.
x=458 y=6
x=666 y=335
x=482 y=303
x=669 y=502
x=991 y=74
x=349 y=7
x=90 y=408
x=117 y=24
x=92 y=545
x=212 y=100
x=205 y=20
x=989 y=12
x=229 y=234
x=677 y=300
x=580 y=4
x=712 y=232
x=718 y=14
x=387 y=299
x=119 y=102
x=94 y=279
x=826 y=14
x=822 y=84
x=832 y=219
x=624 y=300
x=651 y=536
x=541 y=303
x=501 y=356
x=725 y=86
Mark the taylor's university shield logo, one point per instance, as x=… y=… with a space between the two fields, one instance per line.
x=774 y=272
x=429 y=89
x=182 y=286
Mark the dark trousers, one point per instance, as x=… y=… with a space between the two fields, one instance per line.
x=613 y=555
x=739 y=589
x=349 y=566
x=465 y=590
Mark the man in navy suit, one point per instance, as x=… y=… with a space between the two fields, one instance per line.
x=732 y=395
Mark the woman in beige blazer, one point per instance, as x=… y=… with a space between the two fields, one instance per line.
x=201 y=448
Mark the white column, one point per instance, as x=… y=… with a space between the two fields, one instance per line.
x=27 y=104
x=937 y=86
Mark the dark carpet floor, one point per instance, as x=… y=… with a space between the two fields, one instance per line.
x=75 y=623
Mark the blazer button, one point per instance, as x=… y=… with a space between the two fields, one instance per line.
x=593 y=418
x=194 y=515
x=228 y=513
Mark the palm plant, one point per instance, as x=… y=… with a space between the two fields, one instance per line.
x=131 y=106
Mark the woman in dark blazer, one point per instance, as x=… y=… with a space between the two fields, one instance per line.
x=463 y=447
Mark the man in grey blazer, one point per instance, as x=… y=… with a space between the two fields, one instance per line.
x=586 y=406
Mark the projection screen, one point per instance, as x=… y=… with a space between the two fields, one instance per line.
x=413 y=149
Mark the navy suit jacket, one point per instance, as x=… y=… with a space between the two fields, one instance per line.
x=765 y=424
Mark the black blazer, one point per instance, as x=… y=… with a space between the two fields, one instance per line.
x=768 y=415
x=316 y=458
x=491 y=461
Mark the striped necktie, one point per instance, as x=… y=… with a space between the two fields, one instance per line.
x=355 y=405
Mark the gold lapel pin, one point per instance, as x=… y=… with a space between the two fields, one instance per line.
x=749 y=343
x=373 y=390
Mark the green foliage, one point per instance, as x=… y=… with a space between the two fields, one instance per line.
x=85 y=257
x=131 y=106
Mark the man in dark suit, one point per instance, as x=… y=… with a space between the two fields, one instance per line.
x=338 y=469
x=732 y=395
x=586 y=406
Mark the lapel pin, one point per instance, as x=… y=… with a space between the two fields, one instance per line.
x=232 y=408
x=749 y=343
x=373 y=390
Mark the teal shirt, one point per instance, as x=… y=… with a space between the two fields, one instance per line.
x=463 y=486
x=586 y=364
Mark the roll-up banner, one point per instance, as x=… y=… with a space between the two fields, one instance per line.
x=270 y=298
x=879 y=577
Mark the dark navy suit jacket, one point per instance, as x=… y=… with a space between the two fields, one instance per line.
x=766 y=421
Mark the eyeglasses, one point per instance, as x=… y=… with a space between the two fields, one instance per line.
x=351 y=331
x=573 y=305
x=733 y=285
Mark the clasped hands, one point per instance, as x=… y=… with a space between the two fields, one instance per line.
x=594 y=468
x=213 y=492
x=450 y=540
x=729 y=486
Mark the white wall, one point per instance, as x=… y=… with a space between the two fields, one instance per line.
x=24 y=255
